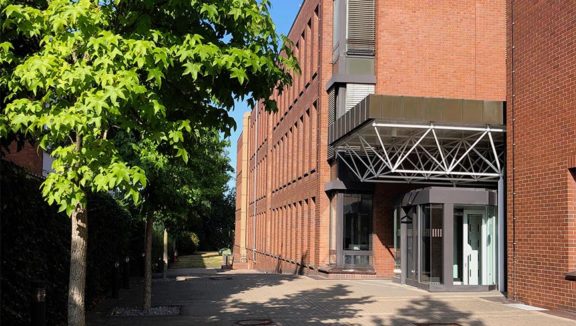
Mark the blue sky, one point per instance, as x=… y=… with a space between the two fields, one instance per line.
x=283 y=13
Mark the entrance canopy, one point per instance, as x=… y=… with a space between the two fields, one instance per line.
x=422 y=140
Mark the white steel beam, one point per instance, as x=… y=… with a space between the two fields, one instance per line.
x=424 y=156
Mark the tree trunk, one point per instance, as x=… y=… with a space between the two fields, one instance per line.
x=148 y=264
x=77 y=281
x=165 y=254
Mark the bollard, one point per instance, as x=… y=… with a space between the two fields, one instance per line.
x=116 y=280
x=142 y=264
x=38 y=316
x=126 y=273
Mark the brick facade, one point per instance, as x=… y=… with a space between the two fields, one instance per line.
x=444 y=48
x=541 y=150
x=383 y=226
x=29 y=157
x=289 y=149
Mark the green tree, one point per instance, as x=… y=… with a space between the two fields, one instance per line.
x=161 y=72
x=176 y=188
x=217 y=230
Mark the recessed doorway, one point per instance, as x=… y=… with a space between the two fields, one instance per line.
x=448 y=239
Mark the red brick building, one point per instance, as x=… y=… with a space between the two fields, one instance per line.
x=29 y=157
x=386 y=157
x=541 y=155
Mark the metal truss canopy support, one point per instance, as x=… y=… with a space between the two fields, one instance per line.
x=392 y=152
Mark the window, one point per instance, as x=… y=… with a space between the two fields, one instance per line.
x=335 y=22
x=342 y=98
x=431 y=237
x=356 y=93
x=357 y=229
x=360 y=31
x=333 y=229
x=397 y=238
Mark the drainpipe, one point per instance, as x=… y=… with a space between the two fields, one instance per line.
x=514 y=295
x=501 y=234
x=255 y=179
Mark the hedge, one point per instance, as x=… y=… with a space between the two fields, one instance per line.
x=35 y=246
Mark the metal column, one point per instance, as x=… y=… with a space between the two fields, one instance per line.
x=501 y=220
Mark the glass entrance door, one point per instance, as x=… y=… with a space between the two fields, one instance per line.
x=470 y=245
x=472 y=242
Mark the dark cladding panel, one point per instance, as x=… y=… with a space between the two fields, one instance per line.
x=493 y=112
x=473 y=111
x=420 y=110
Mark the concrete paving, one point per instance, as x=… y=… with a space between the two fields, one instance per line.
x=208 y=297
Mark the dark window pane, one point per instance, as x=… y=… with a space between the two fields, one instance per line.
x=437 y=244
x=458 y=265
x=397 y=235
x=425 y=243
x=357 y=222
x=412 y=245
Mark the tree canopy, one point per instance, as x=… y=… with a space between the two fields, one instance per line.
x=84 y=79
x=160 y=71
x=178 y=189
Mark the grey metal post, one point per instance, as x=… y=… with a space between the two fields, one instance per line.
x=403 y=249
x=417 y=236
x=501 y=220
x=448 y=243
x=339 y=229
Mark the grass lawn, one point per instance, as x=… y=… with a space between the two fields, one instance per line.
x=199 y=260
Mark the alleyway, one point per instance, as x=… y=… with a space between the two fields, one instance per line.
x=209 y=296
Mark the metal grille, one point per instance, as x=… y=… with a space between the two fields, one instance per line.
x=436 y=324
x=255 y=322
x=332 y=105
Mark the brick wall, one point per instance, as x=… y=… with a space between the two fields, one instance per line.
x=384 y=253
x=29 y=157
x=541 y=151
x=441 y=48
x=288 y=157
x=240 y=205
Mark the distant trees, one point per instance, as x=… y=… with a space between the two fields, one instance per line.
x=217 y=229
x=177 y=190
x=155 y=75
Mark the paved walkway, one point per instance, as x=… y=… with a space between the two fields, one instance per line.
x=209 y=297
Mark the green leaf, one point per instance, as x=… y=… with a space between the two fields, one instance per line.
x=239 y=74
x=183 y=154
x=156 y=75
x=192 y=69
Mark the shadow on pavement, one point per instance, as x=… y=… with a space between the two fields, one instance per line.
x=232 y=299
x=328 y=305
x=428 y=311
